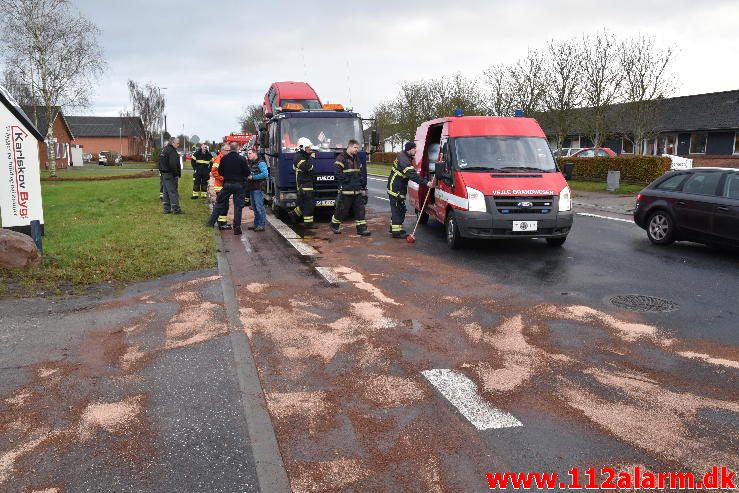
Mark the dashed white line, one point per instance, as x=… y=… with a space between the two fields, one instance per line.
x=292 y=237
x=382 y=198
x=329 y=275
x=605 y=217
x=461 y=392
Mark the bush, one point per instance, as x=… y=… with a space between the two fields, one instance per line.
x=383 y=157
x=155 y=154
x=634 y=169
x=136 y=158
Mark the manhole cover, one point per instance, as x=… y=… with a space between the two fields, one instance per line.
x=641 y=303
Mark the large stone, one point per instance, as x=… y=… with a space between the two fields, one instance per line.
x=17 y=250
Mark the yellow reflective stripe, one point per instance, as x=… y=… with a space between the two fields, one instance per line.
x=307 y=188
x=351 y=170
x=297 y=211
x=397 y=227
x=223 y=219
x=390 y=192
x=405 y=170
x=334 y=220
x=201 y=161
x=339 y=163
x=350 y=192
x=217 y=189
x=362 y=222
x=308 y=219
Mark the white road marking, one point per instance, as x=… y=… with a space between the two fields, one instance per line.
x=292 y=237
x=382 y=198
x=605 y=217
x=329 y=275
x=461 y=392
x=245 y=242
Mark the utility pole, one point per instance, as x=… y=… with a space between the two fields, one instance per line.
x=120 y=139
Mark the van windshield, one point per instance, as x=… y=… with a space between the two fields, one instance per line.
x=324 y=133
x=504 y=154
x=308 y=104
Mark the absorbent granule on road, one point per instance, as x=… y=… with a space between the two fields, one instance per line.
x=18 y=399
x=357 y=279
x=392 y=391
x=131 y=356
x=651 y=417
x=710 y=359
x=256 y=287
x=8 y=459
x=110 y=416
x=374 y=314
x=330 y=475
x=46 y=372
x=193 y=324
x=629 y=331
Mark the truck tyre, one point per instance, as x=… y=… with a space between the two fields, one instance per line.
x=661 y=228
x=453 y=238
x=423 y=217
x=556 y=242
x=278 y=211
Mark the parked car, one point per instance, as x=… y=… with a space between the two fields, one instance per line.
x=107 y=158
x=566 y=151
x=103 y=158
x=700 y=204
x=594 y=152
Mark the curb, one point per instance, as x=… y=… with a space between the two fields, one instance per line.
x=270 y=469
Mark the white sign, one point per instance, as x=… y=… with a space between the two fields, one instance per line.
x=679 y=162
x=20 y=176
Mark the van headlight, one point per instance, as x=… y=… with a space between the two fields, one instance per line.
x=565 y=200
x=475 y=200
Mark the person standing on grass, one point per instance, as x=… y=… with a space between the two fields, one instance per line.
x=257 y=185
x=169 y=168
x=201 y=163
x=235 y=171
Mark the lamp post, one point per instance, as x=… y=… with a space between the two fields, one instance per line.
x=120 y=140
x=162 y=117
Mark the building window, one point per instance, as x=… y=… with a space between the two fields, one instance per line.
x=698 y=143
x=736 y=142
x=627 y=147
x=669 y=144
x=650 y=147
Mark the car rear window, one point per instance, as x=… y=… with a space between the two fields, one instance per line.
x=702 y=184
x=731 y=189
x=671 y=184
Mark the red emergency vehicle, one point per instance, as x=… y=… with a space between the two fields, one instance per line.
x=282 y=93
x=495 y=178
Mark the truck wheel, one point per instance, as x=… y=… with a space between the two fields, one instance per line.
x=660 y=228
x=556 y=242
x=278 y=211
x=424 y=217
x=453 y=238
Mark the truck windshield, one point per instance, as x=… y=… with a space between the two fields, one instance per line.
x=504 y=154
x=325 y=133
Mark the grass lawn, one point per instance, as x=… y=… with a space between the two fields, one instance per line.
x=113 y=231
x=379 y=169
x=85 y=172
x=597 y=186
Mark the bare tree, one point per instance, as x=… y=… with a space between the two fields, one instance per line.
x=414 y=105
x=563 y=88
x=53 y=50
x=500 y=99
x=646 y=82
x=148 y=103
x=528 y=82
x=602 y=78
x=250 y=114
x=386 y=122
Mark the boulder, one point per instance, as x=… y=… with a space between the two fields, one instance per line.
x=17 y=250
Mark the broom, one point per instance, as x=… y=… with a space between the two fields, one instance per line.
x=411 y=238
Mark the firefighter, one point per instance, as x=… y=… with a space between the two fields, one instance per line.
x=201 y=163
x=303 y=167
x=352 y=196
x=397 y=187
x=218 y=184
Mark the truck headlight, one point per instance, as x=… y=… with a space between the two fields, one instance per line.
x=565 y=200
x=476 y=200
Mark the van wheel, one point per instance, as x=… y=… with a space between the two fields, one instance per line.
x=453 y=238
x=556 y=242
x=423 y=217
x=660 y=228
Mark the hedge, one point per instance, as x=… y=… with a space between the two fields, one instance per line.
x=634 y=169
x=383 y=157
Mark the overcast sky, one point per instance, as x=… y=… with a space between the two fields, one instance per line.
x=215 y=57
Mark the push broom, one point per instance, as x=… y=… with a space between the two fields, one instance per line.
x=411 y=238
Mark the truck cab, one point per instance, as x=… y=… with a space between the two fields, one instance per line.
x=495 y=179
x=329 y=129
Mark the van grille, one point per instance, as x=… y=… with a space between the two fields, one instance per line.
x=541 y=204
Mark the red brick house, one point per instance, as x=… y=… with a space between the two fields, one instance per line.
x=123 y=135
x=62 y=133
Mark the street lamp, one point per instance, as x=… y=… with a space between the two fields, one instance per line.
x=162 y=117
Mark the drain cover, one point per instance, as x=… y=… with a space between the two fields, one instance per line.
x=641 y=303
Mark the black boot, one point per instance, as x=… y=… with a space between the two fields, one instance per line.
x=364 y=232
x=335 y=229
x=400 y=234
x=237 y=230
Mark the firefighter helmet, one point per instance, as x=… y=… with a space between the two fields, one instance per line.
x=305 y=143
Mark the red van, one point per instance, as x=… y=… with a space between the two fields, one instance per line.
x=282 y=93
x=496 y=178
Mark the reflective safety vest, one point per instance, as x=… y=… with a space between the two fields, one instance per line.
x=217 y=178
x=303 y=167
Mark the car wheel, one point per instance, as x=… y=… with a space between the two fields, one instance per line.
x=453 y=238
x=556 y=242
x=423 y=218
x=660 y=228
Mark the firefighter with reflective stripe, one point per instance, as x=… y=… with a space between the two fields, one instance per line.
x=218 y=183
x=201 y=162
x=397 y=187
x=352 y=196
x=303 y=167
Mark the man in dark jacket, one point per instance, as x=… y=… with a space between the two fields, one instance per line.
x=235 y=170
x=303 y=167
x=397 y=187
x=352 y=195
x=201 y=162
x=169 y=168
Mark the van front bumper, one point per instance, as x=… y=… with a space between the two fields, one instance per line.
x=488 y=226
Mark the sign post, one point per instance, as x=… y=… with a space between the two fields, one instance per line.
x=20 y=174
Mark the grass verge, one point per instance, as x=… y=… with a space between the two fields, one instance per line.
x=378 y=169
x=597 y=186
x=113 y=232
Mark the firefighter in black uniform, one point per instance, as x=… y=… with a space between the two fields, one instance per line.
x=201 y=163
x=352 y=195
x=397 y=187
x=303 y=167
